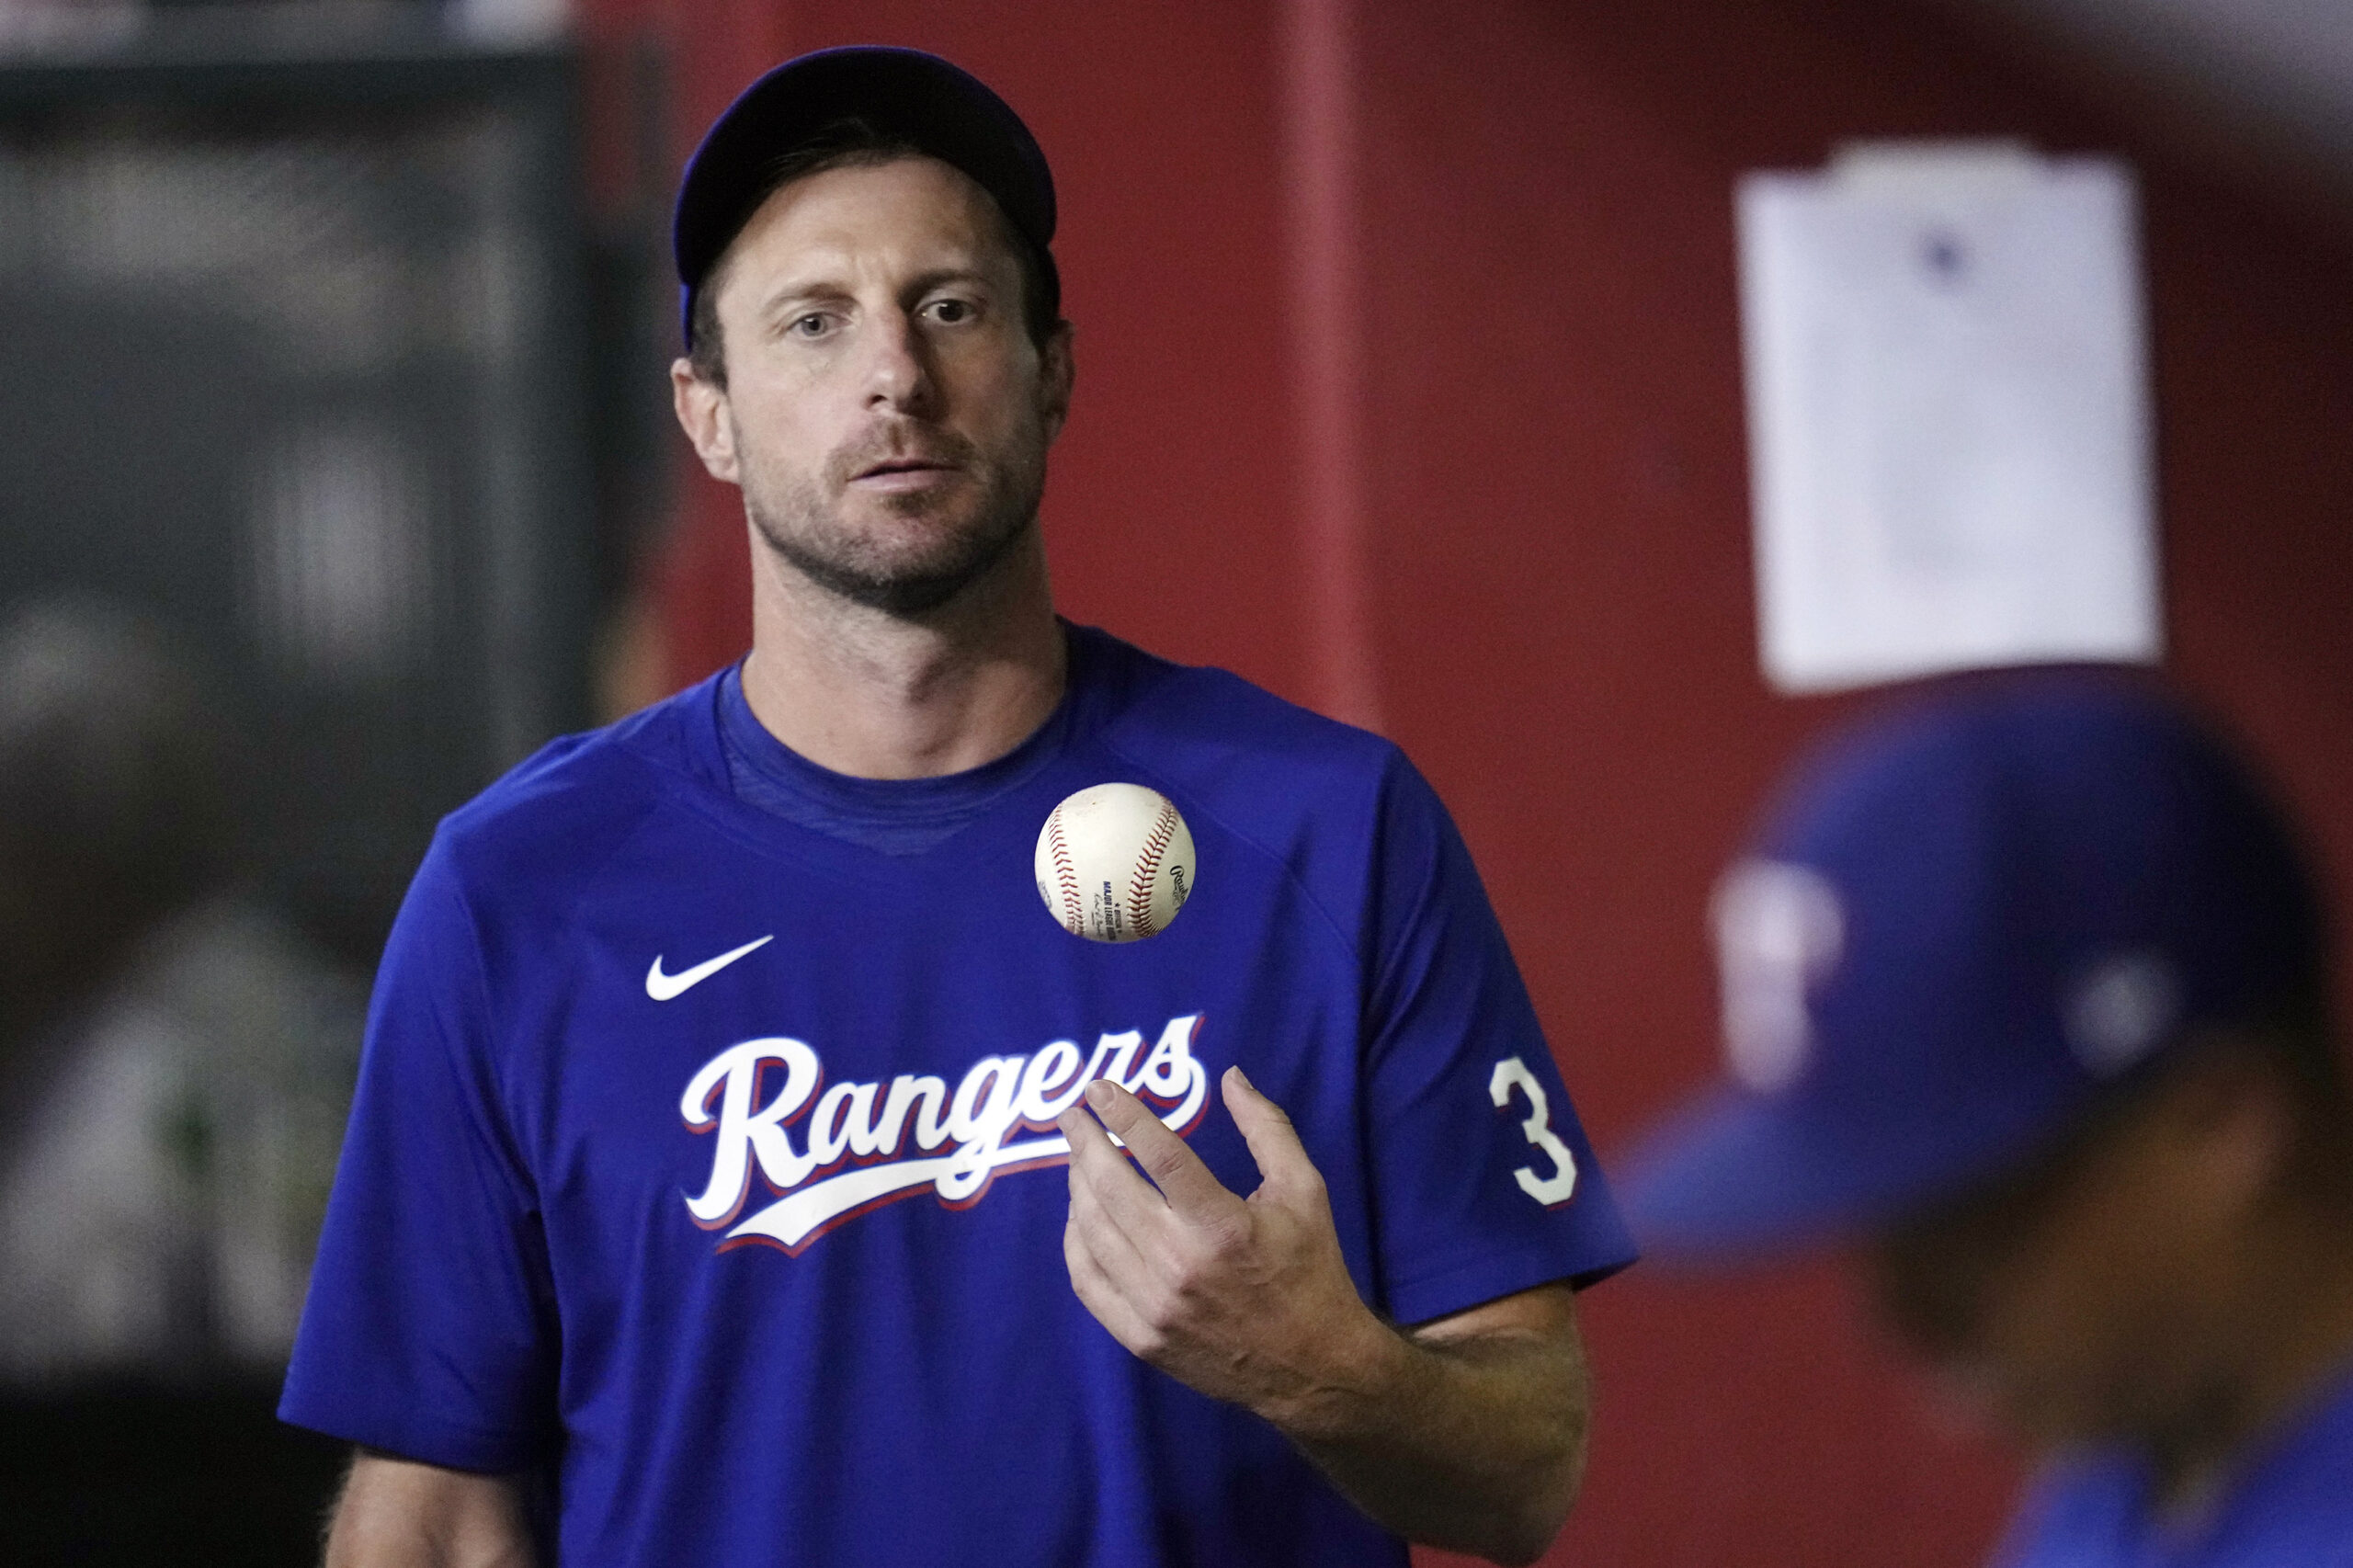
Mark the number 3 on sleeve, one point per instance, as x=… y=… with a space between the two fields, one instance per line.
x=1550 y=1190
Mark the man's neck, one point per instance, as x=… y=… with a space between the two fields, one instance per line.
x=2295 y=1338
x=874 y=695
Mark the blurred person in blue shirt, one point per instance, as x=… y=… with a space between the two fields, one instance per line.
x=2025 y=996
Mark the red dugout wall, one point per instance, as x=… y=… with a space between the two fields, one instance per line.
x=1409 y=387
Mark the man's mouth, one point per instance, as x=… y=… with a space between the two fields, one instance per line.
x=901 y=466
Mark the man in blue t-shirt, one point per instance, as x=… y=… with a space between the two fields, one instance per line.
x=2026 y=994
x=699 y=1205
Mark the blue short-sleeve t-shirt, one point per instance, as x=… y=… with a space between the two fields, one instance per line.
x=2290 y=1507
x=703 y=1154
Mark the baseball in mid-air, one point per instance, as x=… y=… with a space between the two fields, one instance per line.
x=1115 y=863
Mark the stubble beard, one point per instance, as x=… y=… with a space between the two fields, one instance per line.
x=800 y=520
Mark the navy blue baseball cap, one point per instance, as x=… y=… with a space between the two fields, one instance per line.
x=1966 y=920
x=940 y=108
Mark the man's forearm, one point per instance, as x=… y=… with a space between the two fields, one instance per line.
x=1468 y=1440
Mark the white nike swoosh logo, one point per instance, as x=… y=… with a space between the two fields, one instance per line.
x=662 y=987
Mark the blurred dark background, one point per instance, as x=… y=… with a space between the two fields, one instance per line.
x=330 y=408
x=337 y=476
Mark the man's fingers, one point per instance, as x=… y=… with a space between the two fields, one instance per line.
x=1098 y=1292
x=1106 y=1235
x=1083 y=1132
x=1173 y=1167
x=1274 y=1142
x=1126 y=1199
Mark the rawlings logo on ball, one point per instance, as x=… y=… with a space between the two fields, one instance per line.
x=1115 y=863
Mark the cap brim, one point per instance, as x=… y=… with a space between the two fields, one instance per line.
x=1737 y=1175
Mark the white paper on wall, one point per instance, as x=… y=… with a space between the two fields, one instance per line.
x=1949 y=413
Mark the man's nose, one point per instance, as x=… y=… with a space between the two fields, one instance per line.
x=898 y=367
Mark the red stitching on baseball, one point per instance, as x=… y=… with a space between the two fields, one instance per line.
x=1073 y=906
x=1156 y=845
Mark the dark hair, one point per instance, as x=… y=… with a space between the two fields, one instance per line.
x=857 y=143
x=2293 y=1034
x=2299 y=1030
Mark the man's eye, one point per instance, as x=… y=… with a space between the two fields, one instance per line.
x=811 y=326
x=949 y=312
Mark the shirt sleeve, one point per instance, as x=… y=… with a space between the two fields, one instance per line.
x=429 y=1330
x=1483 y=1182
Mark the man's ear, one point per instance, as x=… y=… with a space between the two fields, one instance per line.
x=2231 y=1120
x=1056 y=374
x=701 y=407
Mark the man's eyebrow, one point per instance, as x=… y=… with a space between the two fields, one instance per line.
x=924 y=282
x=817 y=285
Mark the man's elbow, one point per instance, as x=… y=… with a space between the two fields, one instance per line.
x=1528 y=1517
x=1530 y=1530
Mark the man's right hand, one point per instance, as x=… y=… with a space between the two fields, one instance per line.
x=396 y=1513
